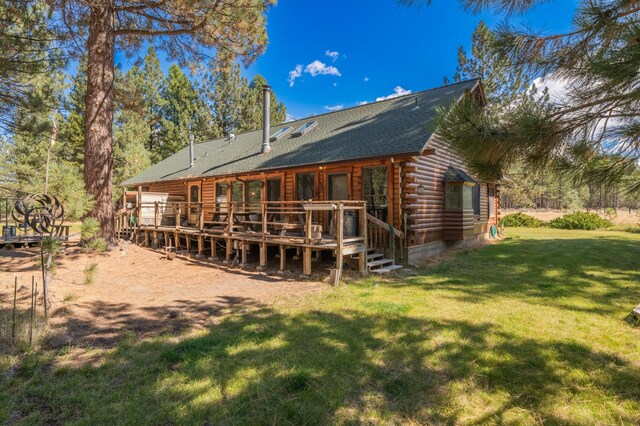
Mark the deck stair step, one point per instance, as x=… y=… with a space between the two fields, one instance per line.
x=374 y=256
x=386 y=269
x=380 y=262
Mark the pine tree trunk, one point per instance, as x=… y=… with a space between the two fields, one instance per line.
x=99 y=115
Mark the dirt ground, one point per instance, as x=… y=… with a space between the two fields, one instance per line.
x=136 y=290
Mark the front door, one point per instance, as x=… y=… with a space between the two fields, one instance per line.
x=194 y=200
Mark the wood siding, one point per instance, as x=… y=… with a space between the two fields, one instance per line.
x=288 y=179
x=426 y=215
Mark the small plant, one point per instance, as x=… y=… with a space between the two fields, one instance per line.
x=99 y=245
x=90 y=226
x=89 y=273
x=580 y=220
x=522 y=220
x=69 y=298
x=9 y=246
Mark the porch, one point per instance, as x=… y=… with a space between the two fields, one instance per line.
x=231 y=230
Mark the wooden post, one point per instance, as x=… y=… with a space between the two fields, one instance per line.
x=243 y=262
x=201 y=217
x=283 y=258
x=188 y=238
x=176 y=237
x=264 y=223
x=306 y=261
x=200 y=245
x=146 y=238
x=340 y=238
x=15 y=300
x=230 y=219
x=362 y=258
x=155 y=215
x=213 y=249
x=178 y=212
x=263 y=256
x=166 y=239
x=229 y=251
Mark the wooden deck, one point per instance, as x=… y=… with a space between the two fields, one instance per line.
x=230 y=230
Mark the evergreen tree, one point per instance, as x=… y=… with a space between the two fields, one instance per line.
x=153 y=86
x=502 y=82
x=226 y=93
x=178 y=112
x=252 y=114
x=70 y=144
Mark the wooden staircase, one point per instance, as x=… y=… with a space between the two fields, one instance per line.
x=377 y=263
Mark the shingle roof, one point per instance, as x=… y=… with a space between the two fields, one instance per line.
x=381 y=129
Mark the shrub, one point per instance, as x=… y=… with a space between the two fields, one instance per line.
x=580 y=220
x=89 y=273
x=90 y=226
x=99 y=245
x=521 y=220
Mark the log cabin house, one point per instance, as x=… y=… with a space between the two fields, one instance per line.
x=372 y=184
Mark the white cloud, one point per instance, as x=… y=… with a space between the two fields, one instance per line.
x=365 y=79
x=362 y=102
x=334 y=108
x=295 y=73
x=316 y=68
x=557 y=87
x=398 y=91
x=332 y=54
x=335 y=84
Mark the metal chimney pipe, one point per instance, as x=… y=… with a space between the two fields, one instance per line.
x=266 y=119
x=191 y=159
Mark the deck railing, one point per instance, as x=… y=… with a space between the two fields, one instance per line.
x=311 y=220
x=383 y=236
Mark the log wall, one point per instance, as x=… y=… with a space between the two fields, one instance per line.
x=426 y=215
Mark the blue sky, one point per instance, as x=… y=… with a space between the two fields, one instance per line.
x=380 y=46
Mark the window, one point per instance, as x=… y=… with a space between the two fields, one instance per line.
x=194 y=194
x=476 y=200
x=492 y=201
x=305 y=186
x=305 y=128
x=338 y=186
x=280 y=133
x=221 y=196
x=254 y=192
x=467 y=197
x=374 y=190
x=273 y=189
x=453 y=196
x=237 y=192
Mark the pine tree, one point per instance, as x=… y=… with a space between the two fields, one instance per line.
x=185 y=28
x=252 y=114
x=153 y=86
x=502 y=82
x=226 y=93
x=593 y=131
x=178 y=112
x=70 y=144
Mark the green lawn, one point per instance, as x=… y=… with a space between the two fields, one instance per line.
x=526 y=331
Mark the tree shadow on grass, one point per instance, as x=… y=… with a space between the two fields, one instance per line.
x=318 y=367
x=597 y=275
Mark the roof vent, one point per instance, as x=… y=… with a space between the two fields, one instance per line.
x=305 y=128
x=266 y=119
x=416 y=106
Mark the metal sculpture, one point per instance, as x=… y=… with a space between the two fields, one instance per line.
x=43 y=213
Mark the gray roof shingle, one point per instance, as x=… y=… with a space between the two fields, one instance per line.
x=381 y=129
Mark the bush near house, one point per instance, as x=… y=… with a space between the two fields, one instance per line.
x=521 y=220
x=580 y=220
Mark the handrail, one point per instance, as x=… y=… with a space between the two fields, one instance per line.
x=384 y=225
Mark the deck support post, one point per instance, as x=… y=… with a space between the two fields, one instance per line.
x=213 y=249
x=243 y=247
x=176 y=239
x=200 y=245
x=340 y=238
x=306 y=261
x=229 y=251
x=166 y=239
x=283 y=258
x=146 y=238
x=263 y=257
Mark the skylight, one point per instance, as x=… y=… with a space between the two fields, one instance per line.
x=280 y=133
x=305 y=128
